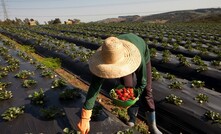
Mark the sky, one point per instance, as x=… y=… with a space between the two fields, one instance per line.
x=94 y=10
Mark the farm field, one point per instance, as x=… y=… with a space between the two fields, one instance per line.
x=186 y=72
x=42 y=101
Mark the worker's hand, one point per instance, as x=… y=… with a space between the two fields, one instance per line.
x=84 y=123
x=84 y=126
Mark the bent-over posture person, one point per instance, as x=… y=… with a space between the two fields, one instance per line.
x=126 y=57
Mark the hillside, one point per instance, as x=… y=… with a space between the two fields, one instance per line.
x=198 y=15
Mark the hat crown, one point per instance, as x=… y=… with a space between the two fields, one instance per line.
x=112 y=50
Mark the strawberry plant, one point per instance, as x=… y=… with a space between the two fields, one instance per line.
x=197 y=84
x=69 y=131
x=169 y=76
x=198 y=61
x=24 y=55
x=48 y=73
x=69 y=94
x=96 y=111
x=28 y=83
x=127 y=131
x=183 y=60
x=24 y=74
x=216 y=63
x=41 y=66
x=12 y=113
x=166 y=56
x=176 y=85
x=37 y=97
x=33 y=61
x=213 y=116
x=190 y=48
x=121 y=113
x=141 y=127
x=51 y=112
x=173 y=99
x=4 y=95
x=201 y=68
x=3 y=74
x=4 y=85
x=175 y=46
x=155 y=74
x=153 y=52
x=201 y=98
x=58 y=83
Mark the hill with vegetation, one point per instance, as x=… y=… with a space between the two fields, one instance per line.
x=197 y=15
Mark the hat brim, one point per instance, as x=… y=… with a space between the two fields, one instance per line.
x=132 y=60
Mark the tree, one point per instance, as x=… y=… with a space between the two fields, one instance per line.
x=57 y=21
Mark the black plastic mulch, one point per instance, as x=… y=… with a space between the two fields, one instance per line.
x=32 y=120
x=187 y=118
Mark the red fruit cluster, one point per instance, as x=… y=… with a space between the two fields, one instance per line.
x=125 y=94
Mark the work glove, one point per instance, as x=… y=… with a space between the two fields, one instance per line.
x=84 y=123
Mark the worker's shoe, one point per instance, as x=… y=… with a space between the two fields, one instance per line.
x=151 y=120
x=132 y=112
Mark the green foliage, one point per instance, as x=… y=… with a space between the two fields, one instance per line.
x=166 y=56
x=127 y=131
x=28 y=83
x=28 y=49
x=121 y=113
x=97 y=110
x=201 y=98
x=59 y=83
x=176 y=85
x=3 y=74
x=4 y=95
x=51 y=112
x=48 y=73
x=24 y=74
x=216 y=63
x=183 y=60
x=24 y=56
x=155 y=74
x=4 y=85
x=198 y=61
x=141 y=127
x=214 y=116
x=69 y=94
x=197 y=84
x=52 y=63
x=12 y=113
x=70 y=131
x=173 y=99
x=41 y=66
x=201 y=68
x=37 y=97
x=153 y=52
x=170 y=76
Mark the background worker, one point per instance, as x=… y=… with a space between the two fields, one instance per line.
x=125 y=57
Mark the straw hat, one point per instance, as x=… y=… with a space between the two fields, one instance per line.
x=115 y=58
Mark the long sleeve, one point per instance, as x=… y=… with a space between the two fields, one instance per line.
x=149 y=76
x=93 y=91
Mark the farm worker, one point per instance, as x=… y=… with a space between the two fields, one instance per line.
x=121 y=57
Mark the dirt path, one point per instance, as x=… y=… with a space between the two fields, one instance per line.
x=75 y=81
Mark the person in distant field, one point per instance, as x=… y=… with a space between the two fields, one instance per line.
x=126 y=57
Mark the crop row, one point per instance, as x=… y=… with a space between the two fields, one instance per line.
x=190 y=49
x=194 y=68
x=166 y=87
x=31 y=93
